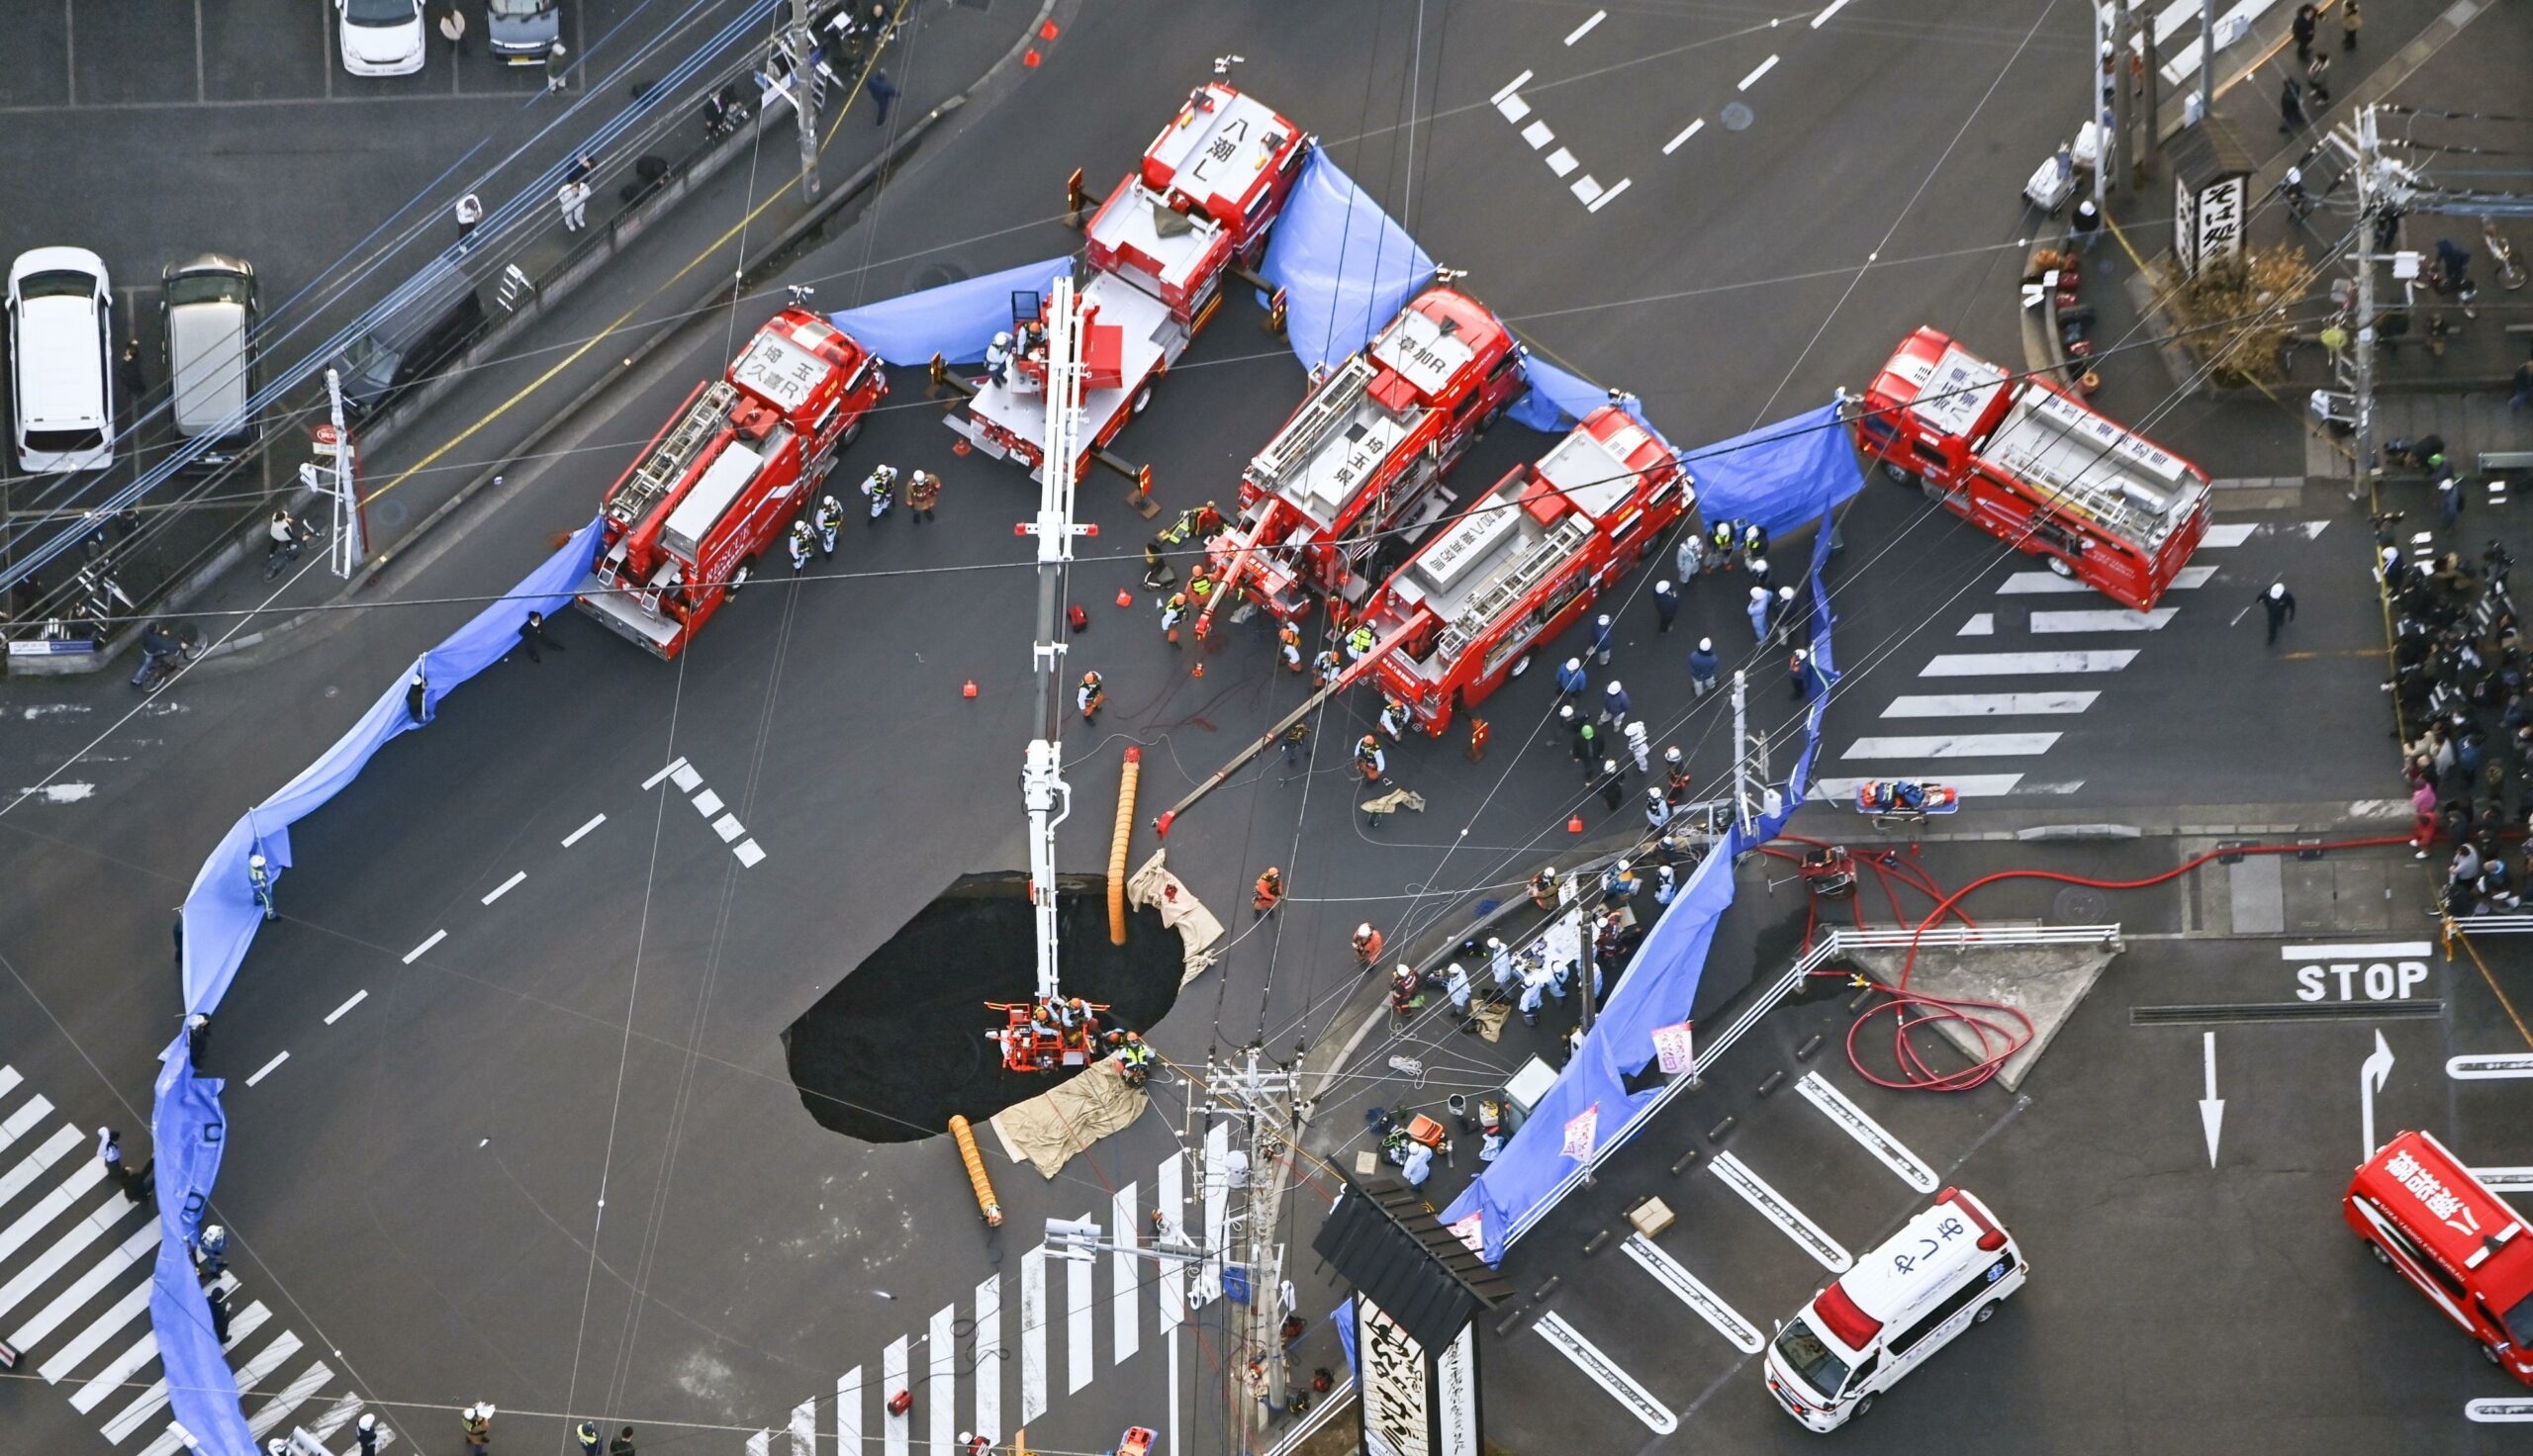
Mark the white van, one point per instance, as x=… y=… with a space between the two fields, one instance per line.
x=1947 y=1270
x=61 y=352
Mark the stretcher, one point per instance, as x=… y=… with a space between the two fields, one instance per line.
x=1905 y=801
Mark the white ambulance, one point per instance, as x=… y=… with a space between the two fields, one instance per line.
x=1948 y=1269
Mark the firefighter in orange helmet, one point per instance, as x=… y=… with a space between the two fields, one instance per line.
x=1271 y=890
x=1089 y=697
x=1368 y=759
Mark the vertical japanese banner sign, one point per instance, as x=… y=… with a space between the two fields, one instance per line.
x=1398 y=1398
x=1456 y=1382
x=1579 y=1131
x=1671 y=1044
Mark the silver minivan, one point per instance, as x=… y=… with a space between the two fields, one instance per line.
x=520 y=32
x=207 y=306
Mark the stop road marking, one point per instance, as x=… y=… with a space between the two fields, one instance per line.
x=2381 y=972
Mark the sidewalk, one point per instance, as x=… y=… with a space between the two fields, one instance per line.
x=525 y=393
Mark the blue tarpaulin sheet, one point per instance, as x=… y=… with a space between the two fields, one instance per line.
x=955 y=321
x=187 y=1128
x=1775 y=476
x=1345 y=267
x=1559 y=398
x=1660 y=986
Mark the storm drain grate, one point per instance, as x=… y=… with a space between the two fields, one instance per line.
x=2170 y=1016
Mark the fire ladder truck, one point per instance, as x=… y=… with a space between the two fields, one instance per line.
x=1211 y=185
x=720 y=482
x=1048 y=1031
x=2030 y=463
x=1324 y=507
x=1522 y=563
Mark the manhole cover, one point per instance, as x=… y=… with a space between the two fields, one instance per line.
x=391 y=513
x=933 y=275
x=1737 y=116
x=2080 y=905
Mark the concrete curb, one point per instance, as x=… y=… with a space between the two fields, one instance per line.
x=832 y=200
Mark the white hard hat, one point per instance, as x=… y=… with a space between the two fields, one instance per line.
x=1613 y=688
x=277 y=1446
x=1800 y=654
x=1573 y=664
x=1705 y=644
x=2276 y=590
x=255 y=862
x=1494 y=942
x=1565 y=710
x=1602 y=620
x=368 y=1422
x=1662 y=585
x=1608 y=765
x=1621 y=867
x=967 y=1437
x=1654 y=794
x=1758 y=594
x=1002 y=340
x=1671 y=755
x=1785 y=592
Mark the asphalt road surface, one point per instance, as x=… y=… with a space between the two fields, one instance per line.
x=508 y=1088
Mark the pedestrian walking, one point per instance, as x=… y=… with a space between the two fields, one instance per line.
x=2449 y=499
x=1499 y=966
x=1088 y=697
x=259 y=879
x=1691 y=557
x=1799 y=674
x=365 y=1432
x=1703 y=665
x=1269 y=891
x=2307 y=19
x=1295 y=738
x=1614 y=704
x=2317 y=78
x=1586 y=744
x=622 y=1445
x=573 y=197
x=1782 y=618
x=1758 y=610
x=586 y=1436
x=924 y=492
x=2291 y=107
x=476 y=1422
x=2085 y=228
x=1639 y=745
x=1571 y=680
x=2423 y=810
x=557 y=69
x=218 y=1299
x=1666 y=605
x=2350 y=19
x=828 y=520
x=532 y=635
x=128 y=373
x=1613 y=784
x=110 y=1150
x=453 y=27
x=1602 y=633
x=2279 y=604
x=470 y=213
x=884 y=94
x=799 y=543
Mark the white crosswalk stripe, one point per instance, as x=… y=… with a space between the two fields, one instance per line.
x=2059 y=622
x=2187 y=578
x=2026 y=664
x=1953 y=746
x=1968 y=786
x=76 y=1265
x=1989 y=705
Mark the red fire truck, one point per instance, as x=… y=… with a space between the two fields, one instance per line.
x=722 y=482
x=1522 y=563
x=2431 y=1218
x=1211 y=185
x=1322 y=506
x=2030 y=464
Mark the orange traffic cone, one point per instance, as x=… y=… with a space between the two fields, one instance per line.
x=1574 y=825
x=1125 y=597
x=968 y=691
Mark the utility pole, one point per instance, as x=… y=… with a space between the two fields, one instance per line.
x=1263 y=1094
x=2362 y=383
x=1740 y=757
x=805 y=93
x=2146 y=108
x=2206 y=60
x=2100 y=98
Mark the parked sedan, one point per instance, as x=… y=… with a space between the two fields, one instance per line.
x=520 y=32
x=381 y=38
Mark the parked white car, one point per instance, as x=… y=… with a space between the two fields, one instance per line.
x=380 y=37
x=62 y=361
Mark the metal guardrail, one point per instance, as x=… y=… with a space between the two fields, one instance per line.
x=1838 y=944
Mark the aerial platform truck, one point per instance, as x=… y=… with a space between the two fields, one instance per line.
x=1327 y=508
x=722 y=480
x=1158 y=252
x=1517 y=567
x=2034 y=466
x=1522 y=563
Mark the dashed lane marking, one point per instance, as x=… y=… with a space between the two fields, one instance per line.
x=1872 y=1135
x=1687 y=132
x=418 y=951
x=1606 y=197
x=2505 y=1180
x=2489 y=1068
x=1538 y=134
x=1561 y=161
x=1585 y=29
x=1511 y=86
x=748 y=853
x=266 y=1069
x=1674 y=1276
x=1776 y=1209
x=667 y=770
x=1752 y=79
x=1987 y=704
x=1606 y=1373
x=339 y=1012
x=1514 y=108
x=708 y=803
x=505 y=886
x=576 y=835
x=1833 y=8
x=727 y=826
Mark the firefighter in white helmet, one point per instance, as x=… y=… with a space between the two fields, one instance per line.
x=998 y=358
x=880 y=488
x=830 y=516
x=798 y=542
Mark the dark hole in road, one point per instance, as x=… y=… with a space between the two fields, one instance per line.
x=895 y=1049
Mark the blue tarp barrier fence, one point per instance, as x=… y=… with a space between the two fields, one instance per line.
x=956 y=320
x=188 y=1129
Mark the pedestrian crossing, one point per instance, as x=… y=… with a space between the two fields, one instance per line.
x=76 y=1257
x=2015 y=662
x=956 y=1370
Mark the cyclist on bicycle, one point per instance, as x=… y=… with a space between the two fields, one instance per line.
x=285 y=535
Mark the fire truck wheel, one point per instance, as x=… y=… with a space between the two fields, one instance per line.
x=2377 y=1250
x=739 y=577
x=2488 y=1351
x=1143 y=397
x=1491 y=417
x=2059 y=565
x=851 y=433
x=1893 y=469
x=1519 y=665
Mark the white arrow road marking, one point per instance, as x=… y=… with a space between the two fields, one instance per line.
x=2499 y=1412
x=1772 y=1206
x=2484 y=1069
x=1606 y=1373
x=2212 y=1108
x=1674 y=1276
x=1875 y=1138
x=2372 y=1074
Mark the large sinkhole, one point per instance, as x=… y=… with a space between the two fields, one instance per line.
x=901 y=1045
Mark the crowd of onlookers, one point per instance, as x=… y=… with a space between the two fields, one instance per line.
x=2458 y=679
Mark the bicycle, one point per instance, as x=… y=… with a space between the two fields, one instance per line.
x=159 y=667
x=279 y=554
